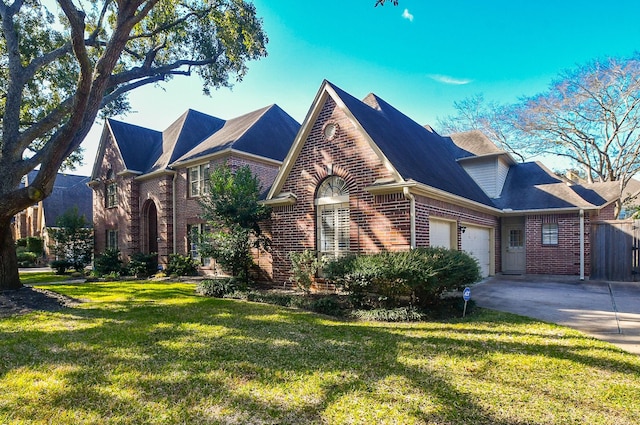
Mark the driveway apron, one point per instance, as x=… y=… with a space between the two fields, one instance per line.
x=606 y=310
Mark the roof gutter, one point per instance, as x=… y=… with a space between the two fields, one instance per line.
x=510 y=212
x=208 y=157
x=282 y=200
x=157 y=173
x=416 y=188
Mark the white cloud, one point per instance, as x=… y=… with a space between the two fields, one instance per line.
x=407 y=15
x=446 y=79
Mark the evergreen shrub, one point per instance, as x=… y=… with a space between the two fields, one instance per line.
x=417 y=277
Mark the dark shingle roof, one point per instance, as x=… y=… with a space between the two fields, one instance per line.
x=415 y=152
x=68 y=191
x=183 y=135
x=532 y=186
x=473 y=143
x=267 y=132
x=138 y=146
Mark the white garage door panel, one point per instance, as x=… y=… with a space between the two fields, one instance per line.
x=476 y=241
x=440 y=234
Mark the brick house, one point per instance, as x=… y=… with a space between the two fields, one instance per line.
x=357 y=176
x=146 y=183
x=69 y=191
x=363 y=177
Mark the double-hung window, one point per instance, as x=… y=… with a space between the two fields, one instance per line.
x=112 y=239
x=198 y=180
x=194 y=237
x=112 y=195
x=550 y=234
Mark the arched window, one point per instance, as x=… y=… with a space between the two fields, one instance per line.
x=333 y=220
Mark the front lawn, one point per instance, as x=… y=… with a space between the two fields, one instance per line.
x=154 y=353
x=34 y=278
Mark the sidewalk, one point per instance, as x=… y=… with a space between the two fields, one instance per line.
x=606 y=310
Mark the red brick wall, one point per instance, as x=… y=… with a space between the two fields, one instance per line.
x=117 y=218
x=563 y=258
x=427 y=207
x=378 y=223
x=135 y=195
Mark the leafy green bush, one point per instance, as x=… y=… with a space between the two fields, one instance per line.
x=401 y=314
x=327 y=305
x=181 y=265
x=27 y=257
x=304 y=266
x=60 y=266
x=218 y=287
x=108 y=262
x=35 y=245
x=143 y=265
x=416 y=277
x=454 y=270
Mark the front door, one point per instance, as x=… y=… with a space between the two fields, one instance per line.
x=514 y=255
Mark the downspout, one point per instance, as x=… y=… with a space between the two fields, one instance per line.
x=412 y=214
x=174 y=218
x=581 y=244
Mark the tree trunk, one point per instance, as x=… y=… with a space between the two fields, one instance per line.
x=9 y=277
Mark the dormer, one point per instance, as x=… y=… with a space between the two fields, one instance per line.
x=487 y=165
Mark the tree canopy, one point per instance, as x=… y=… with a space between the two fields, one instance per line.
x=62 y=62
x=589 y=115
x=231 y=206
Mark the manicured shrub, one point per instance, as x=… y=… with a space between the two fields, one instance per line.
x=218 y=287
x=35 y=245
x=416 y=277
x=454 y=270
x=60 y=266
x=181 y=265
x=27 y=257
x=143 y=265
x=401 y=314
x=108 y=262
x=304 y=266
x=327 y=305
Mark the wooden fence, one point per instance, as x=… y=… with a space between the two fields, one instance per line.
x=615 y=253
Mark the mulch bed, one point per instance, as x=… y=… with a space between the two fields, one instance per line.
x=28 y=299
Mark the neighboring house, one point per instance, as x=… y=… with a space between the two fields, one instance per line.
x=146 y=183
x=68 y=191
x=356 y=177
x=363 y=177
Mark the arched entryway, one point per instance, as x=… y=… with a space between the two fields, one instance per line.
x=149 y=227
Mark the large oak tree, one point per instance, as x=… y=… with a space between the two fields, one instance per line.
x=63 y=61
x=589 y=116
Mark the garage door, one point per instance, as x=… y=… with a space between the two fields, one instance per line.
x=440 y=233
x=476 y=241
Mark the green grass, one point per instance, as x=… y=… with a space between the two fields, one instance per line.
x=34 y=278
x=153 y=353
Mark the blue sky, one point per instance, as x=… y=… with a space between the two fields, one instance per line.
x=420 y=56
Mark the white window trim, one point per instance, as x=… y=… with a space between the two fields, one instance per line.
x=197 y=185
x=112 y=198
x=112 y=233
x=336 y=207
x=549 y=233
x=193 y=247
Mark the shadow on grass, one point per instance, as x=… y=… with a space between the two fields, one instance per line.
x=161 y=355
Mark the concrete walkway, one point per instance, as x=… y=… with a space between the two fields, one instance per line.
x=606 y=310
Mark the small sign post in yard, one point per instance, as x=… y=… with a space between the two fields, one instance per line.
x=466 y=296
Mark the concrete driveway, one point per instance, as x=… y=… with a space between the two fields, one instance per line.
x=606 y=310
